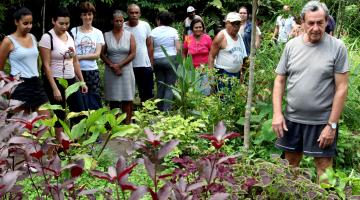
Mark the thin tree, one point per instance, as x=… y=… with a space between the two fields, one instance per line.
x=43 y=17
x=251 y=77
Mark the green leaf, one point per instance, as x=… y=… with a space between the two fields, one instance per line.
x=50 y=122
x=122 y=131
x=65 y=127
x=92 y=139
x=111 y=119
x=78 y=130
x=217 y=3
x=121 y=118
x=97 y=129
x=48 y=106
x=73 y=88
x=95 y=116
x=63 y=82
x=77 y=114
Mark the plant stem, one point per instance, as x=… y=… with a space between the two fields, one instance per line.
x=57 y=185
x=123 y=194
x=32 y=180
x=107 y=140
x=155 y=166
x=117 y=193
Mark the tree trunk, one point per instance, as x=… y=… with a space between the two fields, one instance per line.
x=339 y=18
x=251 y=77
x=43 y=17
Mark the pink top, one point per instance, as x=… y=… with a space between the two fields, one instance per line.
x=198 y=49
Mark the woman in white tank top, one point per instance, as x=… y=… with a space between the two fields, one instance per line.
x=20 y=48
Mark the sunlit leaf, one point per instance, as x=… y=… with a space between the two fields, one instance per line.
x=73 y=88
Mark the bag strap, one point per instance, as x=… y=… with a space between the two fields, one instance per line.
x=51 y=40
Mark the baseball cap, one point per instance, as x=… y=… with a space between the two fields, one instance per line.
x=233 y=17
x=190 y=9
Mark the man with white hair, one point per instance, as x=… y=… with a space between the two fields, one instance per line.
x=228 y=50
x=314 y=68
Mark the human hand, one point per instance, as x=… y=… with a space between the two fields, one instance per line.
x=279 y=125
x=57 y=95
x=326 y=137
x=84 y=89
x=118 y=69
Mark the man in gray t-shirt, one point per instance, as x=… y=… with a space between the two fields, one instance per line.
x=313 y=68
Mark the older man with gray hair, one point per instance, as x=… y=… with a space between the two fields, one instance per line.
x=314 y=68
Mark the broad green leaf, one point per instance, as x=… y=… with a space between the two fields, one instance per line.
x=95 y=116
x=49 y=122
x=99 y=128
x=121 y=118
x=176 y=94
x=111 y=119
x=92 y=139
x=115 y=111
x=48 y=106
x=122 y=131
x=63 y=82
x=77 y=114
x=78 y=130
x=73 y=88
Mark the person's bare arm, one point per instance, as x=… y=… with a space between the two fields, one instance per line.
x=45 y=55
x=178 y=46
x=150 y=48
x=257 y=41
x=131 y=54
x=278 y=121
x=215 y=48
x=5 y=48
x=92 y=56
x=276 y=32
x=328 y=134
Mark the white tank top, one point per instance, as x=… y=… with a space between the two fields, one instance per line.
x=23 y=60
x=231 y=58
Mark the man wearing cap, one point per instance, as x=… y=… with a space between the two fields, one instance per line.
x=191 y=16
x=228 y=50
x=314 y=70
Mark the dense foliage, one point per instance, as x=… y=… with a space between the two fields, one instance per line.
x=176 y=157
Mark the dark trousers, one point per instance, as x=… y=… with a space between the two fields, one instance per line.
x=92 y=99
x=144 y=81
x=225 y=74
x=165 y=77
x=74 y=101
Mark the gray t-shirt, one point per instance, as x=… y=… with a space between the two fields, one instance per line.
x=310 y=71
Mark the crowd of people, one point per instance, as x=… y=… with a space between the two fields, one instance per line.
x=313 y=68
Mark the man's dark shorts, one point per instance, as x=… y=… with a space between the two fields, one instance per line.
x=303 y=138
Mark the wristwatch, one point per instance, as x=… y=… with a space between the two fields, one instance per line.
x=332 y=125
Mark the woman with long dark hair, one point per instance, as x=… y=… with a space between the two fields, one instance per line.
x=57 y=50
x=20 y=48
